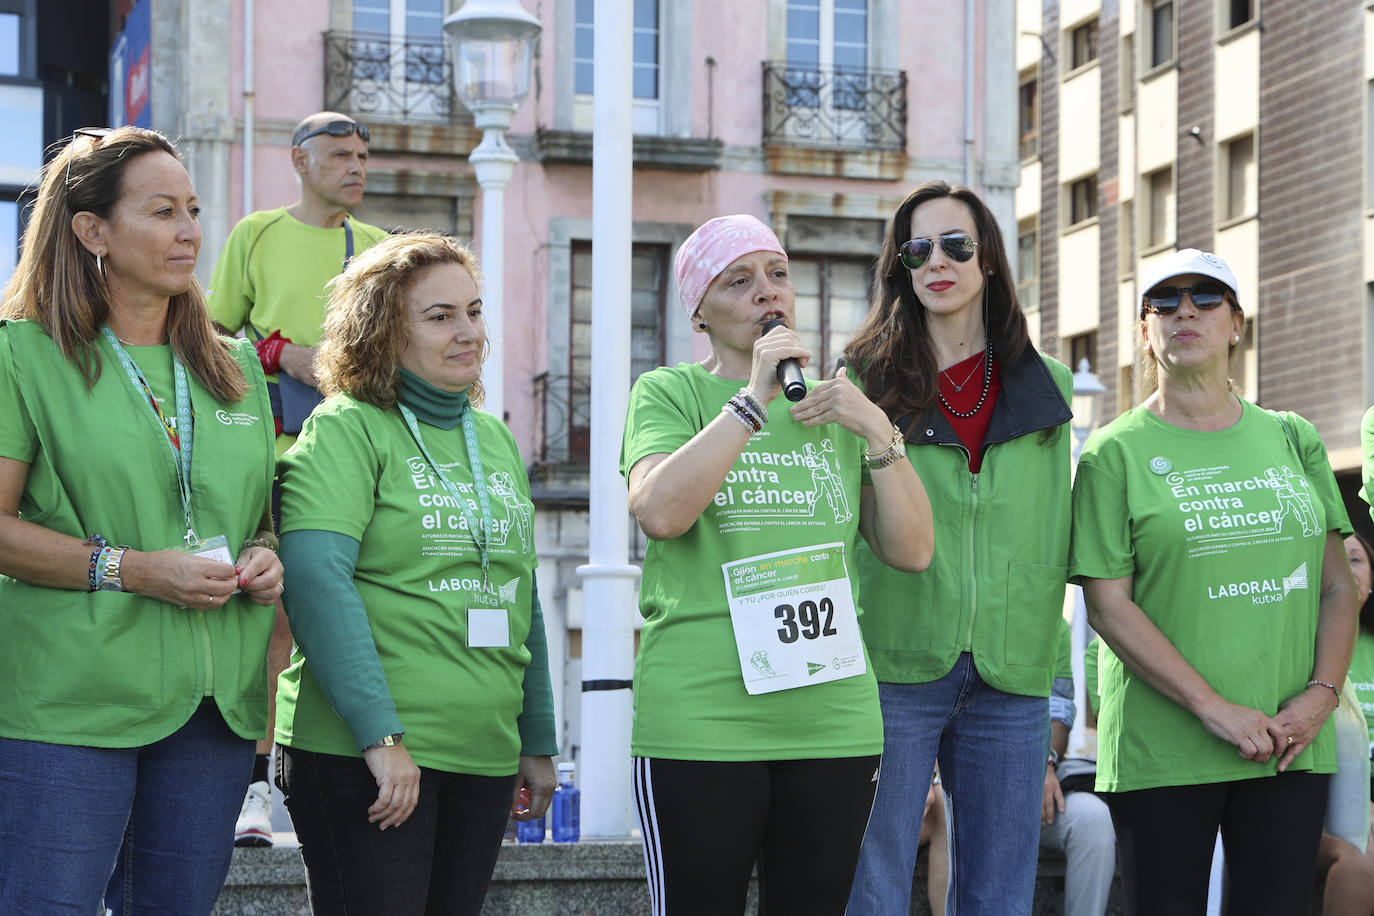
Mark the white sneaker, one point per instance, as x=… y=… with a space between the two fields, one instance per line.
x=254 y=827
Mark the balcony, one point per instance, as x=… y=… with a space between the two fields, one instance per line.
x=563 y=419
x=376 y=77
x=834 y=108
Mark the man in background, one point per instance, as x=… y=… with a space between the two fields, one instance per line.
x=271 y=283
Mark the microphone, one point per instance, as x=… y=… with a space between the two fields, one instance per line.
x=789 y=370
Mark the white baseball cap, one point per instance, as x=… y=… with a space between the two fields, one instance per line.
x=1188 y=261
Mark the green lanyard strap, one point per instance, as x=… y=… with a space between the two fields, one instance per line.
x=480 y=532
x=185 y=424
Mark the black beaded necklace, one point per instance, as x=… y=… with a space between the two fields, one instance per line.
x=987 y=383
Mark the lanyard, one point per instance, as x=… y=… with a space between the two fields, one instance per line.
x=178 y=440
x=480 y=532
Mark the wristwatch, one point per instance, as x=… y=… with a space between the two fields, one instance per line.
x=388 y=741
x=1053 y=760
x=109 y=575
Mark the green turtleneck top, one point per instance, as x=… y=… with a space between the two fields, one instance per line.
x=343 y=655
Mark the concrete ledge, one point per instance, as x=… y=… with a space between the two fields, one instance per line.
x=594 y=878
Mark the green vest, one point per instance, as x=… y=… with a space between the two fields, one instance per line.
x=996 y=583
x=115 y=669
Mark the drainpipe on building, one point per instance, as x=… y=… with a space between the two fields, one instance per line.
x=247 y=107
x=608 y=599
x=968 y=91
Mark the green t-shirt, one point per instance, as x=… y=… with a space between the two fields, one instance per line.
x=1091 y=659
x=117 y=669
x=792 y=486
x=357 y=471
x=1362 y=677
x=1224 y=533
x=274 y=271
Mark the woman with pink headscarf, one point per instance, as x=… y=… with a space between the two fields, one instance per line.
x=753 y=690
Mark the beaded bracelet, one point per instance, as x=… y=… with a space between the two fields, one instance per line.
x=895 y=451
x=736 y=408
x=267 y=540
x=1332 y=687
x=98 y=542
x=750 y=405
x=755 y=406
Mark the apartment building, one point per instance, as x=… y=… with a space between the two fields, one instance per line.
x=1236 y=126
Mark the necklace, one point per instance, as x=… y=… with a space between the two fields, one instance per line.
x=960 y=386
x=987 y=381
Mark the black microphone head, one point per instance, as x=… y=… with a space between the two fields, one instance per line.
x=772 y=323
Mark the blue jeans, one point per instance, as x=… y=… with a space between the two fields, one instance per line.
x=145 y=829
x=991 y=748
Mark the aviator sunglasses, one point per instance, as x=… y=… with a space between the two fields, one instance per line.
x=336 y=129
x=95 y=133
x=1164 y=300
x=957 y=246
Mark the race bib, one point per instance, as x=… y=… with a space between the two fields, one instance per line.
x=794 y=618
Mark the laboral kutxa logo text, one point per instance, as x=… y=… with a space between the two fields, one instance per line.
x=1261 y=591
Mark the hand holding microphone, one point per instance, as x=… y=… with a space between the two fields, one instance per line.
x=789 y=370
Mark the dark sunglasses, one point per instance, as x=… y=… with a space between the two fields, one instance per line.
x=336 y=129
x=957 y=246
x=95 y=133
x=1164 y=300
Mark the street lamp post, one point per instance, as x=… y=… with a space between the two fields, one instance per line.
x=492 y=42
x=1087 y=392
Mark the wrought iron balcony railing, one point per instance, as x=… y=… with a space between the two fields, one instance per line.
x=834 y=107
x=388 y=78
x=564 y=423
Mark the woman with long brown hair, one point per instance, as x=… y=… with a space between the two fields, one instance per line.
x=137 y=564
x=964 y=651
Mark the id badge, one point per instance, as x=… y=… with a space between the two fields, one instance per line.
x=794 y=618
x=488 y=628
x=215 y=548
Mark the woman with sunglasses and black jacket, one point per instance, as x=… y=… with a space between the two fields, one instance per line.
x=964 y=652
x=1208 y=539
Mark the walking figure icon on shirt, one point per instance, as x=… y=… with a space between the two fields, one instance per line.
x=826 y=479
x=1295 y=498
x=517 y=512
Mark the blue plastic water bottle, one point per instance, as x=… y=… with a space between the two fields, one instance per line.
x=530 y=831
x=567 y=807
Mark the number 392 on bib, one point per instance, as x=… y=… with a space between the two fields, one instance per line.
x=794 y=619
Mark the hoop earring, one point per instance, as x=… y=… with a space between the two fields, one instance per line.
x=99 y=267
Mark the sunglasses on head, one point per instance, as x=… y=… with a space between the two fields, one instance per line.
x=336 y=129
x=95 y=133
x=1164 y=300
x=957 y=246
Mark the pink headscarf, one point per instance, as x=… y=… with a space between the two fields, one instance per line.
x=715 y=246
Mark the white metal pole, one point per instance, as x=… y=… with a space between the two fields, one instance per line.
x=608 y=579
x=248 y=97
x=494 y=163
x=1078 y=629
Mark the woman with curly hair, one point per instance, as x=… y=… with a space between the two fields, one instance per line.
x=416 y=715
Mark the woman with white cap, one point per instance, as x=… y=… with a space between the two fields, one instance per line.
x=753 y=691
x=1207 y=535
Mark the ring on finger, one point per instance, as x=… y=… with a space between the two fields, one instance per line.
x=1290 y=741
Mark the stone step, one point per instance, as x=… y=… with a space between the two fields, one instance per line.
x=592 y=878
